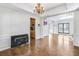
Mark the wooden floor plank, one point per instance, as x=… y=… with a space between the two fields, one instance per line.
x=57 y=45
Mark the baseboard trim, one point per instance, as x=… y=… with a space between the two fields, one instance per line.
x=76 y=45
x=4 y=48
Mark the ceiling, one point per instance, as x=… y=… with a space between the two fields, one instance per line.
x=30 y=6
x=49 y=8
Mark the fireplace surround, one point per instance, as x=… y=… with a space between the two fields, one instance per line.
x=17 y=40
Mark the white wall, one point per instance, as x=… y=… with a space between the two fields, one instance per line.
x=46 y=27
x=46 y=30
x=38 y=28
x=76 y=28
x=12 y=22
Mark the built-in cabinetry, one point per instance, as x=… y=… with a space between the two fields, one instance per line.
x=32 y=30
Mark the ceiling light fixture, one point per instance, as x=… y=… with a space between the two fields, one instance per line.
x=38 y=9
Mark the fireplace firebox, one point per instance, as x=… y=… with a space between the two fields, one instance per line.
x=19 y=40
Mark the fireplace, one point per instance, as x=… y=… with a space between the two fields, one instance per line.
x=19 y=40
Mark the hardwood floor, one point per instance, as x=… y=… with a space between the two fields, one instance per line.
x=54 y=45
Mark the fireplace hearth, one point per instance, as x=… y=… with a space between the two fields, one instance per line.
x=19 y=40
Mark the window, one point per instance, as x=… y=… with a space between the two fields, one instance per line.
x=63 y=28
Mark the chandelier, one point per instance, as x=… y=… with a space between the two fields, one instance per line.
x=38 y=9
